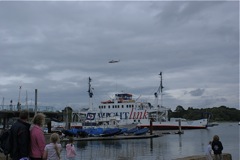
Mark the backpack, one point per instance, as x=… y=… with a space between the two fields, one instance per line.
x=5 y=142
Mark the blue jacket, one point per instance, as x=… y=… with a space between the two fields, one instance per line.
x=20 y=140
x=217 y=147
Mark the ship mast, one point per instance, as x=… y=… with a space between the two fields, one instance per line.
x=19 y=98
x=159 y=91
x=156 y=94
x=90 y=93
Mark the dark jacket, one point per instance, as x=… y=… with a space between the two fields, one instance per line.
x=217 y=147
x=20 y=140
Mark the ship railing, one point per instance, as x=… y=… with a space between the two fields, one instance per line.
x=30 y=108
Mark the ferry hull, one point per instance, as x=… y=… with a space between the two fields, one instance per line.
x=171 y=127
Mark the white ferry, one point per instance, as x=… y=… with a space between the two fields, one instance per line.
x=124 y=110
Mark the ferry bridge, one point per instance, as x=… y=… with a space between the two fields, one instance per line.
x=10 y=112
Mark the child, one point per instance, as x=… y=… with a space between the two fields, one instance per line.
x=71 y=153
x=209 y=151
x=217 y=148
x=52 y=150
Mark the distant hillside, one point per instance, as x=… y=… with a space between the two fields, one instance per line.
x=221 y=113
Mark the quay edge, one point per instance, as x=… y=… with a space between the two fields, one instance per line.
x=226 y=156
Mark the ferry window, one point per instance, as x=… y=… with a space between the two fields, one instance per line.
x=134 y=120
x=118 y=106
x=127 y=106
x=104 y=106
x=108 y=106
x=139 y=120
x=122 y=106
x=112 y=106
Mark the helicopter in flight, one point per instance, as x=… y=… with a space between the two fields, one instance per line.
x=114 y=61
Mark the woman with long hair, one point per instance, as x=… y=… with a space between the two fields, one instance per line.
x=37 y=142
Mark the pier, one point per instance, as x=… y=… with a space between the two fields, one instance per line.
x=226 y=156
x=118 y=137
x=11 y=112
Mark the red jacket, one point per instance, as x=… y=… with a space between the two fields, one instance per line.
x=37 y=142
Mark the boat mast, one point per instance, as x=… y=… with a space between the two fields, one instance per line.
x=19 y=97
x=159 y=91
x=3 y=103
x=27 y=103
x=90 y=93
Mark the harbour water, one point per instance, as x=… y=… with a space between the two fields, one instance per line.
x=167 y=147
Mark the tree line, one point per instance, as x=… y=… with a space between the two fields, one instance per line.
x=221 y=113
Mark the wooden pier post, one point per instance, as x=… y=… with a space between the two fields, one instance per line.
x=49 y=126
x=151 y=127
x=179 y=125
x=35 y=110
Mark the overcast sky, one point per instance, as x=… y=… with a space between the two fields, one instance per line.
x=55 y=46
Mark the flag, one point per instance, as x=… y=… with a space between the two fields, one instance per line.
x=91 y=116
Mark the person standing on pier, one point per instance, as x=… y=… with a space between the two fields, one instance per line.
x=217 y=148
x=37 y=137
x=209 y=151
x=52 y=151
x=71 y=152
x=20 y=137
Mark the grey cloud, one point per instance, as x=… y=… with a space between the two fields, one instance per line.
x=56 y=46
x=197 y=92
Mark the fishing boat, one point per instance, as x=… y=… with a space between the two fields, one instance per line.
x=131 y=112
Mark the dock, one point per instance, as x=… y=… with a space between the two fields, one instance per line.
x=226 y=156
x=117 y=137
